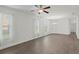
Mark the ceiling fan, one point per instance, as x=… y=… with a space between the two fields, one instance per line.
x=42 y=8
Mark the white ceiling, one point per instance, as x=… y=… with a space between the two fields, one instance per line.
x=54 y=8
x=58 y=10
x=21 y=7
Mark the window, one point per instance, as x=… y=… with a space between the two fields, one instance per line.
x=6 y=26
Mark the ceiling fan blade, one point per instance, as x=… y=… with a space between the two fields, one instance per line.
x=47 y=7
x=45 y=11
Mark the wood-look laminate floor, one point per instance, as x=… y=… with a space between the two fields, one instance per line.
x=50 y=44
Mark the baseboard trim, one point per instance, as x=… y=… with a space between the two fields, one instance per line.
x=51 y=34
x=11 y=45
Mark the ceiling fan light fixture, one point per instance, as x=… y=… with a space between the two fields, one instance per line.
x=40 y=11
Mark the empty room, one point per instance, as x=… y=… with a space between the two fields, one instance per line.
x=39 y=29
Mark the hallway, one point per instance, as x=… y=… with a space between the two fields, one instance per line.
x=50 y=44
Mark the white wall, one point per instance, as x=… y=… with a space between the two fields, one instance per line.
x=60 y=26
x=74 y=24
x=41 y=27
x=48 y=26
x=72 y=21
x=22 y=26
x=77 y=27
